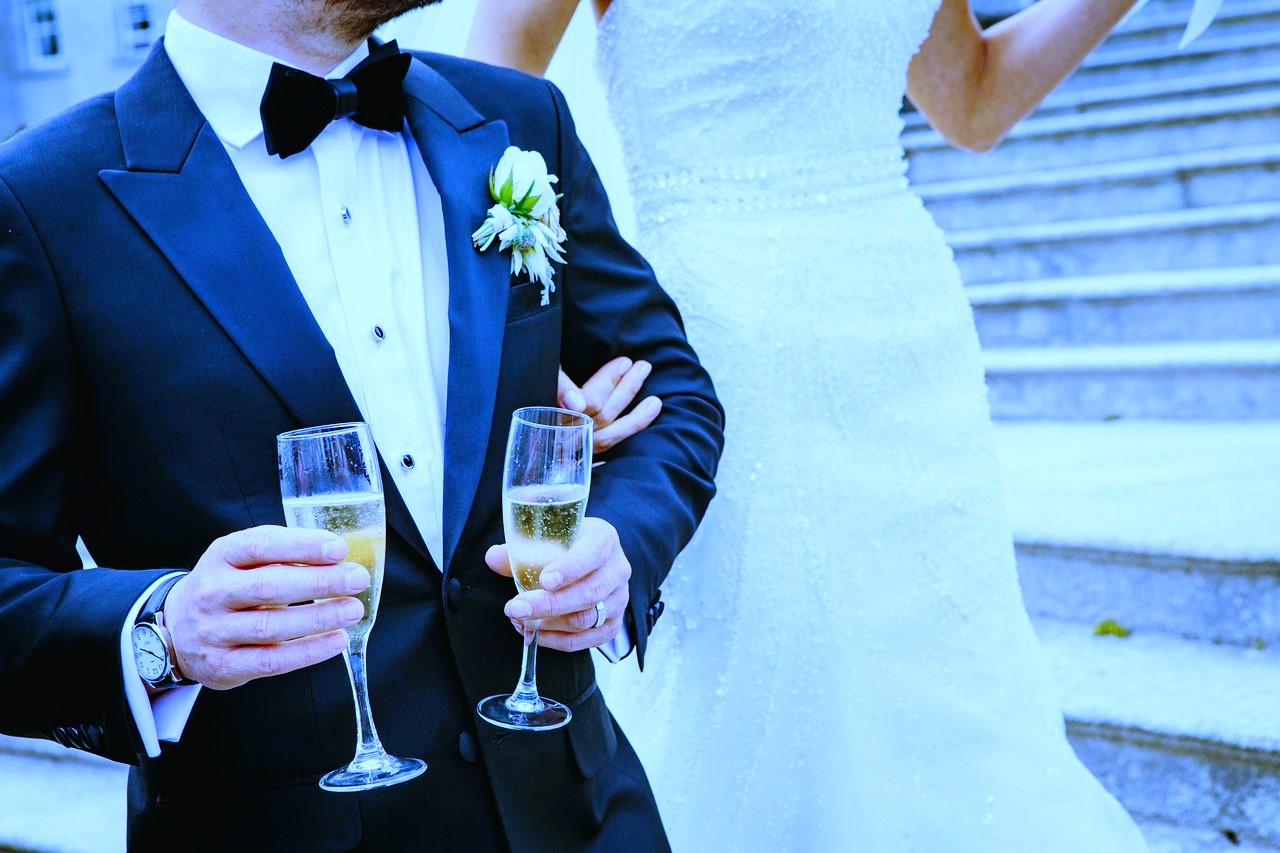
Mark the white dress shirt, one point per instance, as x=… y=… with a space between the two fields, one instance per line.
x=360 y=223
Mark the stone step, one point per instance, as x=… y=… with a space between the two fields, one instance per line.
x=1221 y=176
x=1229 y=303
x=1150 y=64
x=1104 y=136
x=1225 y=235
x=1217 y=381
x=1162 y=25
x=1164 y=838
x=1259 y=77
x=1182 y=733
x=1163 y=527
x=57 y=799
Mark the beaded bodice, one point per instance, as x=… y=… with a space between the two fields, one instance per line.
x=712 y=96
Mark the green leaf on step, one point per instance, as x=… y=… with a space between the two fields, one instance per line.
x=1109 y=418
x=1259 y=644
x=1111 y=628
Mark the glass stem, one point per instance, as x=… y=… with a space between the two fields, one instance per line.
x=527 y=690
x=368 y=747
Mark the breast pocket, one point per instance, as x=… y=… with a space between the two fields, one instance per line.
x=525 y=300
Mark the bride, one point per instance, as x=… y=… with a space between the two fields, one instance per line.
x=845 y=663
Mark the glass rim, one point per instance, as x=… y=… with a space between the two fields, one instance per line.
x=321 y=431
x=584 y=420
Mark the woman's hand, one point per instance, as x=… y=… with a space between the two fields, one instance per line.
x=607 y=395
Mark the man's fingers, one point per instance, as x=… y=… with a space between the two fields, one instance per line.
x=585 y=620
x=569 y=395
x=627 y=389
x=250 y=662
x=636 y=421
x=261 y=546
x=571 y=642
x=498 y=560
x=595 y=544
x=268 y=585
x=598 y=388
x=269 y=626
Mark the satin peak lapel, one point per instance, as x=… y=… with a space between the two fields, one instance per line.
x=181 y=188
x=460 y=148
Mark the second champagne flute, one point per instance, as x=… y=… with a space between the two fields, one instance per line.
x=544 y=493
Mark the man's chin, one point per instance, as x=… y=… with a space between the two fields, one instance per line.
x=357 y=19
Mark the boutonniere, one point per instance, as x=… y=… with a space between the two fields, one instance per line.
x=525 y=218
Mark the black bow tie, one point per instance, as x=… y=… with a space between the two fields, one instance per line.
x=297 y=106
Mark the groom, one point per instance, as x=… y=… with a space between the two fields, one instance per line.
x=172 y=296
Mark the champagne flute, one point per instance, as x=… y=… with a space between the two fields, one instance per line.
x=330 y=480
x=544 y=494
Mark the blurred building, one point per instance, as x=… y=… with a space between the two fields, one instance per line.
x=54 y=53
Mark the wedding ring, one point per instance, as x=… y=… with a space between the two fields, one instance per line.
x=601 y=615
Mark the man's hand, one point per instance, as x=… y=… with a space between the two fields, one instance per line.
x=594 y=569
x=230 y=618
x=607 y=395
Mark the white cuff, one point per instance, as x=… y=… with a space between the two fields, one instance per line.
x=617 y=648
x=159 y=717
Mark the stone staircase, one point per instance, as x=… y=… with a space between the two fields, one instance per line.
x=1122 y=250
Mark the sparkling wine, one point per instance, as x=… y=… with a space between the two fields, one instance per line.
x=541 y=522
x=360 y=519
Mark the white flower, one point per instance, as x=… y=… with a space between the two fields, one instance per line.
x=525 y=220
x=498 y=220
x=530 y=182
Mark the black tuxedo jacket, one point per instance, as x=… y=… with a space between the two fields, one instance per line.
x=153 y=343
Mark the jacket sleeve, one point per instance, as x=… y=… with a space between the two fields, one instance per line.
x=656 y=485
x=60 y=668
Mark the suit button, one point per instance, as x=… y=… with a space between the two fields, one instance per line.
x=453 y=595
x=654 y=613
x=467 y=748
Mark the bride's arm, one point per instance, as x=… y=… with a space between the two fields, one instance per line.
x=974 y=86
x=521 y=34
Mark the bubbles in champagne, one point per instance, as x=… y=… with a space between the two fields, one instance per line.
x=541 y=523
x=360 y=519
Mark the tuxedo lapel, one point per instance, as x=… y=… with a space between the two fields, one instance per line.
x=459 y=149
x=180 y=187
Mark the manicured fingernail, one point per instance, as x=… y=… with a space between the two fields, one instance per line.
x=576 y=400
x=519 y=609
x=645 y=367
x=338 y=641
x=351 y=611
x=357 y=579
x=334 y=550
x=551 y=580
x=651 y=407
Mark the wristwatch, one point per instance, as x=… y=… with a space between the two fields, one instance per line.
x=152 y=646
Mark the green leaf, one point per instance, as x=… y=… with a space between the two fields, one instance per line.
x=507 y=194
x=528 y=203
x=1111 y=628
x=493 y=191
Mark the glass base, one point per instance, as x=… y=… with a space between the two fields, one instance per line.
x=506 y=712
x=364 y=775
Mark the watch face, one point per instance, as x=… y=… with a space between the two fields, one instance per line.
x=149 y=653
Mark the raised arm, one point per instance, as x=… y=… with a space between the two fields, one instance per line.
x=974 y=86
x=521 y=34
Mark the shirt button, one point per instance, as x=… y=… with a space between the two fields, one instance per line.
x=379 y=334
x=406 y=462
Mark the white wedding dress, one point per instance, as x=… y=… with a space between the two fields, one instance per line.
x=845 y=663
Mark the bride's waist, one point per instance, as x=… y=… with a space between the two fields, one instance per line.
x=760 y=184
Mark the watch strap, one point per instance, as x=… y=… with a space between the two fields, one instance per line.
x=151 y=614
